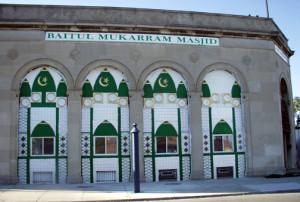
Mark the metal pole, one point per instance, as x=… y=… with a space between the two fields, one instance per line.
x=267 y=7
x=136 y=164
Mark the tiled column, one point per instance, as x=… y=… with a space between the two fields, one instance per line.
x=74 y=137
x=136 y=116
x=196 y=139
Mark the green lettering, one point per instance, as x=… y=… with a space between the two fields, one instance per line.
x=148 y=38
x=88 y=36
x=132 y=38
x=190 y=40
x=82 y=36
x=213 y=41
x=197 y=40
x=50 y=35
x=140 y=38
x=122 y=37
x=157 y=38
x=181 y=40
x=58 y=36
x=102 y=37
x=168 y=39
x=113 y=37
x=72 y=36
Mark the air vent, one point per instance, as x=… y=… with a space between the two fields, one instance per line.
x=224 y=172
x=106 y=176
x=42 y=178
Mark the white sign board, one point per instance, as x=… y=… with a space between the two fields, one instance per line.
x=135 y=38
x=281 y=54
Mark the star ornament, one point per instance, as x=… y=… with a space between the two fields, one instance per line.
x=106 y=80
x=165 y=81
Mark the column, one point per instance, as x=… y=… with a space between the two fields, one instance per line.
x=74 y=137
x=196 y=131
x=136 y=116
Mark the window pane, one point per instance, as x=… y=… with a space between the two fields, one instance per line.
x=218 y=143
x=228 y=143
x=100 y=145
x=111 y=145
x=37 y=145
x=161 y=144
x=172 y=144
x=48 y=146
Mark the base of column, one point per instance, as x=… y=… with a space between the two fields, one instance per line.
x=8 y=181
x=74 y=180
x=197 y=175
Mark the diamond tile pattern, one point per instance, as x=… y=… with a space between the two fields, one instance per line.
x=184 y=117
x=124 y=119
x=22 y=170
x=207 y=167
x=147 y=144
x=85 y=144
x=239 y=130
x=185 y=142
x=125 y=169
x=23 y=120
x=242 y=165
x=86 y=171
x=63 y=121
x=147 y=120
x=125 y=141
x=22 y=144
x=62 y=170
x=186 y=168
x=85 y=120
x=63 y=145
x=205 y=130
x=148 y=170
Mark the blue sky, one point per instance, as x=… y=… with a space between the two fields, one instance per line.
x=286 y=15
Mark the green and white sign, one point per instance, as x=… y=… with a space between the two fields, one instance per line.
x=133 y=38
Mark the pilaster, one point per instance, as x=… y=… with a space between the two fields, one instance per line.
x=74 y=136
x=136 y=116
x=196 y=131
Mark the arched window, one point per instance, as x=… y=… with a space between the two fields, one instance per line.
x=42 y=139
x=166 y=139
x=105 y=138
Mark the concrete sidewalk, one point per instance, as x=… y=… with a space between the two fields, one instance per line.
x=149 y=191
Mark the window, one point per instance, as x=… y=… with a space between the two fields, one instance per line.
x=223 y=143
x=42 y=146
x=165 y=145
x=105 y=145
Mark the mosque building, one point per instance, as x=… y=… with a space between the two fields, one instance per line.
x=210 y=93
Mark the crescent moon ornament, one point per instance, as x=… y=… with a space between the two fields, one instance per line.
x=44 y=80
x=161 y=85
x=102 y=84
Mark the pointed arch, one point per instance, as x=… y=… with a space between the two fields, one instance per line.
x=164 y=83
x=167 y=64
x=105 y=129
x=31 y=65
x=166 y=129
x=226 y=67
x=105 y=63
x=222 y=127
x=43 y=129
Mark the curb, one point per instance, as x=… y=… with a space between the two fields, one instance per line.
x=208 y=196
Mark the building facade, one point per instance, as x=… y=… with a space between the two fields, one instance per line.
x=211 y=95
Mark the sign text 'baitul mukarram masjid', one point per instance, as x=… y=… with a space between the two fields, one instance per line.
x=139 y=38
